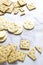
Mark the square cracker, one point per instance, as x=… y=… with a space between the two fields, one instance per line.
x=32 y=54
x=31 y=6
x=21 y=56
x=25 y=44
x=10 y=9
x=3 y=8
x=5 y=50
x=22 y=2
x=12 y=57
x=39 y=49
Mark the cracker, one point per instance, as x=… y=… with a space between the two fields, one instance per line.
x=32 y=54
x=31 y=6
x=3 y=8
x=12 y=57
x=1 y=2
x=28 y=25
x=3 y=58
x=22 y=2
x=12 y=28
x=19 y=31
x=16 y=5
x=39 y=49
x=1 y=13
x=12 y=47
x=10 y=9
x=25 y=44
x=1 y=45
x=21 y=56
x=5 y=50
x=7 y=2
x=1 y=26
x=9 y=48
x=2 y=34
x=16 y=10
x=3 y=39
x=1 y=48
x=4 y=23
x=22 y=13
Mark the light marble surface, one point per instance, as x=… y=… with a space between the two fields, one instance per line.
x=35 y=36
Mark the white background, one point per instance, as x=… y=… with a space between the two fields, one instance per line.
x=35 y=36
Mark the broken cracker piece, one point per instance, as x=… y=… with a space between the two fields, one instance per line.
x=22 y=13
x=39 y=49
x=21 y=9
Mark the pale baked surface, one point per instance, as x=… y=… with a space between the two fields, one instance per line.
x=3 y=36
x=3 y=8
x=28 y=25
x=7 y=2
x=24 y=44
x=19 y=31
x=32 y=54
x=31 y=6
x=16 y=5
x=39 y=49
x=22 y=2
x=12 y=57
x=21 y=55
x=16 y=10
x=10 y=8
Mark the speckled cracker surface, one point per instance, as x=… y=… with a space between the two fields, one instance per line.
x=25 y=44
x=21 y=56
x=32 y=54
